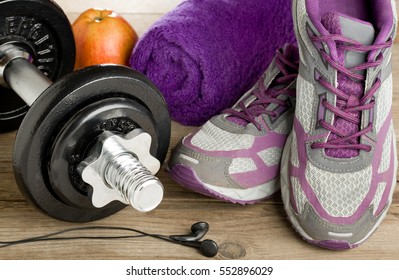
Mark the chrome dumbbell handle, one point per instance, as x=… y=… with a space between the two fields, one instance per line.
x=17 y=72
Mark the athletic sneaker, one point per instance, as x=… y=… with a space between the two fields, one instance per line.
x=235 y=156
x=339 y=164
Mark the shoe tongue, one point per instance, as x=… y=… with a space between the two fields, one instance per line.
x=364 y=33
x=351 y=28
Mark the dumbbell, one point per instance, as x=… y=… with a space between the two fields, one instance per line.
x=92 y=141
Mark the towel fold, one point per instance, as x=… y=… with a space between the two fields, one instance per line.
x=205 y=54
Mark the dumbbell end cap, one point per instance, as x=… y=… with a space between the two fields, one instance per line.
x=147 y=196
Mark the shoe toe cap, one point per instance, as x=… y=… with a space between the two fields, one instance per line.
x=338 y=234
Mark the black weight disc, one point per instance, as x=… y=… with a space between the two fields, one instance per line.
x=44 y=31
x=72 y=101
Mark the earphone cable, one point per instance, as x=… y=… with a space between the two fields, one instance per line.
x=51 y=236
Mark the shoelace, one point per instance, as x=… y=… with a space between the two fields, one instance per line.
x=346 y=103
x=266 y=96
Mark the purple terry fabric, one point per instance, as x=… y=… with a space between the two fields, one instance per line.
x=205 y=54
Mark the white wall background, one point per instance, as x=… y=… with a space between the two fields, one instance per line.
x=141 y=14
x=125 y=6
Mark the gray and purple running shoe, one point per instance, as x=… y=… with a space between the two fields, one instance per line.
x=235 y=156
x=339 y=165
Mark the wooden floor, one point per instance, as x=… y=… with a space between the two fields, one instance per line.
x=258 y=231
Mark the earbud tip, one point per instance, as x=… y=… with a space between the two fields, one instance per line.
x=209 y=248
x=199 y=226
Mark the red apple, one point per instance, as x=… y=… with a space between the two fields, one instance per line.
x=102 y=36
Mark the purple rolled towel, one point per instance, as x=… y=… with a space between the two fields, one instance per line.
x=205 y=54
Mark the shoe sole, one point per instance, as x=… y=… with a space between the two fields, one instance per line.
x=186 y=176
x=285 y=195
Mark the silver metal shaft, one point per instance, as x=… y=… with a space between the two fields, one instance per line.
x=122 y=168
x=25 y=79
x=134 y=182
x=17 y=72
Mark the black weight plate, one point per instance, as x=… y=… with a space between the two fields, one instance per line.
x=43 y=30
x=51 y=114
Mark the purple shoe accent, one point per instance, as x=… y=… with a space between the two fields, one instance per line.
x=252 y=178
x=383 y=11
x=186 y=177
x=249 y=179
x=336 y=245
x=387 y=176
x=383 y=18
x=357 y=8
x=260 y=144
